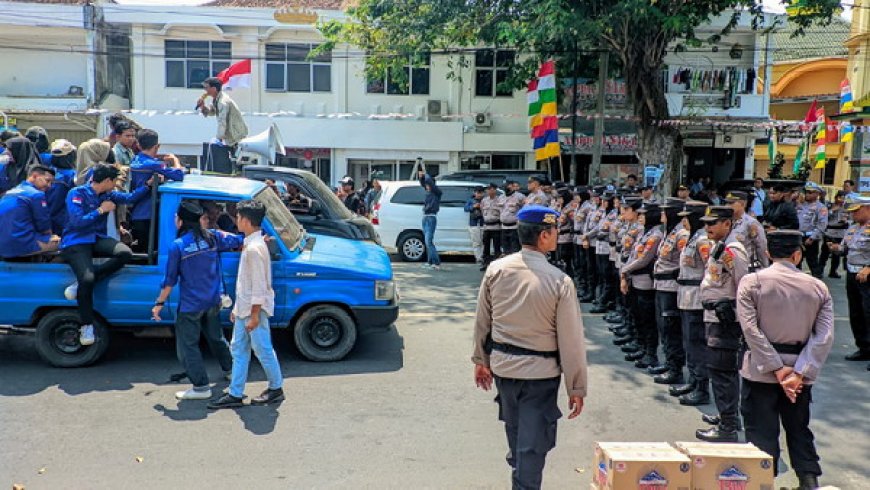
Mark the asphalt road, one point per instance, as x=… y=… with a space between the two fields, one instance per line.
x=401 y=411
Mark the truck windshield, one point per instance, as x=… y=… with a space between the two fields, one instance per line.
x=282 y=220
x=327 y=197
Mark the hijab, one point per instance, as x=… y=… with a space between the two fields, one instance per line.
x=89 y=154
x=24 y=155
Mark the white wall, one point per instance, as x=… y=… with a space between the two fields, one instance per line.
x=37 y=61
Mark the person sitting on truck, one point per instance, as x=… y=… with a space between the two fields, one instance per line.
x=145 y=165
x=25 y=218
x=194 y=261
x=63 y=161
x=86 y=237
x=296 y=201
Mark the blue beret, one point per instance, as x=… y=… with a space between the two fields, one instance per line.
x=536 y=215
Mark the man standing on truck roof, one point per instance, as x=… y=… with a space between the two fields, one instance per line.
x=86 y=237
x=255 y=303
x=25 y=218
x=194 y=260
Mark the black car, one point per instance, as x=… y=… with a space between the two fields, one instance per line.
x=497 y=177
x=319 y=210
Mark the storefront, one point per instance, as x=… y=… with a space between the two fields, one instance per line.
x=491 y=161
x=361 y=170
x=315 y=160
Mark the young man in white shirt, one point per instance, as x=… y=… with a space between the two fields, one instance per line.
x=255 y=303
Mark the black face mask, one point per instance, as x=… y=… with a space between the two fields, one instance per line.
x=508 y=192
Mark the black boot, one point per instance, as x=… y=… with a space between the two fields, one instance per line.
x=615 y=318
x=645 y=361
x=657 y=369
x=710 y=419
x=623 y=341
x=680 y=390
x=586 y=298
x=697 y=398
x=598 y=309
x=717 y=433
x=634 y=356
x=672 y=377
x=807 y=482
x=630 y=348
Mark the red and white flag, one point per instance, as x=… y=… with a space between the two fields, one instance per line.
x=237 y=75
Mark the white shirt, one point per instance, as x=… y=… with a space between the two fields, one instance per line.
x=254 y=281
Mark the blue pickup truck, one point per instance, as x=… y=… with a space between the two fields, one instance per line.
x=327 y=289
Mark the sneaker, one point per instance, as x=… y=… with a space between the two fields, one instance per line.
x=193 y=394
x=71 y=292
x=86 y=335
x=427 y=265
x=269 y=396
x=436 y=267
x=226 y=401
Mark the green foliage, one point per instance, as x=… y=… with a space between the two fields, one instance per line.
x=776 y=167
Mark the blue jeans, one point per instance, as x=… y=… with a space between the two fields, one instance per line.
x=429 y=225
x=260 y=339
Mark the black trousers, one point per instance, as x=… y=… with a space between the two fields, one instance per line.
x=566 y=257
x=835 y=258
x=645 y=320
x=530 y=412
x=81 y=260
x=630 y=300
x=510 y=241
x=670 y=330
x=491 y=245
x=188 y=328
x=141 y=231
x=858 y=296
x=811 y=255
x=581 y=270
x=764 y=407
x=695 y=345
x=725 y=378
x=592 y=271
x=607 y=278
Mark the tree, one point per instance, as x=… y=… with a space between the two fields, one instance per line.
x=776 y=167
x=637 y=33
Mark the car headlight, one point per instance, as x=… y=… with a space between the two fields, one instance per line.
x=385 y=290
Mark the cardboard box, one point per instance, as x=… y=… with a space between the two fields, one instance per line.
x=717 y=466
x=641 y=466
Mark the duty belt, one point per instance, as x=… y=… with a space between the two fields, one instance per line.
x=794 y=349
x=522 y=351
x=667 y=276
x=496 y=222
x=689 y=282
x=711 y=305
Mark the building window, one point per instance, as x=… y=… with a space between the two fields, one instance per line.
x=490 y=70
x=288 y=69
x=412 y=79
x=828 y=175
x=188 y=63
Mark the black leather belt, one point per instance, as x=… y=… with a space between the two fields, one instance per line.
x=492 y=222
x=689 y=282
x=522 y=351
x=711 y=305
x=667 y=276
x=794 y=349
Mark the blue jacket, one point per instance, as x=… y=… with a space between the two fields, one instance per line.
x=432 y=203
x=197 y=264
x=474 y=218
x=24 y=219
x=84 y=222
x=45 y=158
x=64 y=180
x=143 y=168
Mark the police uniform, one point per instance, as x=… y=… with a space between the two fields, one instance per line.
x=838 y=223
x=590 y=232
x=749 y=232
x=491 y=208
x=813 y=221
x=856 y=246
x=606 y=273
x=727 y=265
x=630 y=233
x=510 y=241
x=638 y=271
x=565 y=247
x=665 y=273
x=618 y=314
x=693 y=263
x=528 y=331
x=539 y=197
x=580 y=262
x=787 y=319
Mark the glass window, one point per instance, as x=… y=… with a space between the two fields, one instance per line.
x=491 y=68
x=409 y=195
x=455 y=196
x=410 y=80
x=188 y=63
x=280 y=218
x=302 y=74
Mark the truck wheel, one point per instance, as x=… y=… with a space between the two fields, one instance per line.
x=412 y=247
x=57 y=340
x=325 y=333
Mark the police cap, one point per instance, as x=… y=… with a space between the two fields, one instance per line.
x=813 y=187
x=785 y=239
x=538 y=215
x=715 y=213
x=650 y=208
x=855 y=201
x=633 y=202
x=673 y=202
x=693 y=207
x=736 y=196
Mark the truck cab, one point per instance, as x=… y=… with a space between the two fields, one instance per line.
x=327 y=289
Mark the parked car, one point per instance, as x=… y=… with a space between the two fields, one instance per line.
x=327 y=289
x=398 y=218
x=497 y=177
x=327 y=215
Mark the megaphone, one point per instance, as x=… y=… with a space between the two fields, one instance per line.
x=261 y=148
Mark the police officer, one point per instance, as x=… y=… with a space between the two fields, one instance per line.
x=646 y=193
x=588 y=241
x=693 y=262
x=527 y=332
x=813 y=220
x=194 y=261
x=787 y=319
x=536 y=192
x=513 y=201
x=637 y=274
x=606 y=274
x=856 y=247
x=747 y=230
x=491 y=207
x=665 y=274
x=580 y=262
x=838 y=223
x=632 y=230
x=727 y=264
x=25 y=218
x=617 y=315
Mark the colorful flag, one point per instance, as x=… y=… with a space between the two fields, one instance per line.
x=236 y=75
x=846 y=104
x=799 y=157
x=544 y=122
x=821 y=138
x=846 y=132
x=811 y=113
x=772 y=144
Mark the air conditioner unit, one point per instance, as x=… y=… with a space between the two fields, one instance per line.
x=436 y=110
x=483 y=120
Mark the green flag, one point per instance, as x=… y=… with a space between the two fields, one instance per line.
x=771 y=145
x=798 y=158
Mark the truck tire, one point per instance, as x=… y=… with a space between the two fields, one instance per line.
x=324 y=333
x=412 y=247
x=57 y=340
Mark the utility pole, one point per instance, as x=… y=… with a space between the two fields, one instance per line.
x=574 y=99
x=595 y=168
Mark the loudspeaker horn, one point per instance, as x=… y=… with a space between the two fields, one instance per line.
x=262 y=146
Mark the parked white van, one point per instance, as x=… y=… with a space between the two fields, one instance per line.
x=398 y=218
